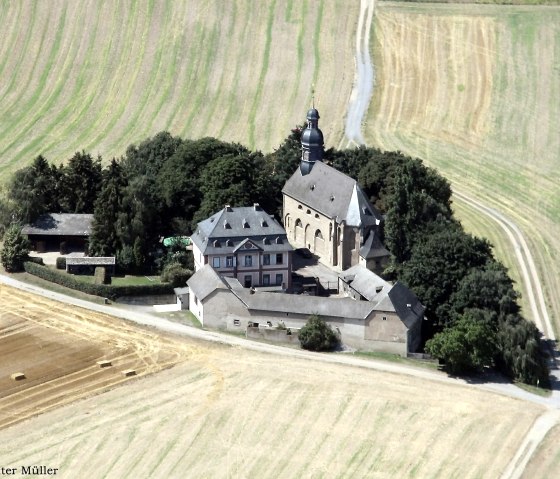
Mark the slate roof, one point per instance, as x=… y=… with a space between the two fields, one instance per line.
x=205 y=281
x=332 y=193
x=366 y=282
x=60 y=224
x=385 y=297
x=232 y=228
x=302 y=304
x=392 y=298
x=373 y=248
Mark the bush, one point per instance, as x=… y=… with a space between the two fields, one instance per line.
x=61 y=262
x=36 y=260
x=175 y=274
x=317 y=335
x=101 y=276
x=103 y=290
x=15 y=249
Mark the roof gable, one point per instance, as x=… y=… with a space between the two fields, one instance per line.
x=331 y=192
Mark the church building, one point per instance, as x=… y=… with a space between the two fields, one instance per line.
x=327 y=212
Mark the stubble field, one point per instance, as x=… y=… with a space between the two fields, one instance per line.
x=57 y=348
x=475 y=91
x=228 y=412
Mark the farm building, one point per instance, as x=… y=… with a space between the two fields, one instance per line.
x=327 y=212
x=62 y=232
x=390 y=323
x=244 y=243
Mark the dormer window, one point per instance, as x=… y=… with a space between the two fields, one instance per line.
x=227 y=226
x=217 y=244
x=266 y=241
x=264 y=224
x=245 y=223
x=312 y=187
x=229 y=242
x=332 y=198
x=278 y=240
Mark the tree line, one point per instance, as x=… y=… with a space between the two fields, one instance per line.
x=165 y=185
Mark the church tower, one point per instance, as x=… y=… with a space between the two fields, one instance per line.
x=311 y=143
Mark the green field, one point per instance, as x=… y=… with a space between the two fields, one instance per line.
x=475 y=91
x=100 y=75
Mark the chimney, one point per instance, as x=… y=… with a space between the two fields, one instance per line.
x=257 y=207
x=228 y=208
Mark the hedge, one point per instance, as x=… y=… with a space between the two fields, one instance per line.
x=103 y=290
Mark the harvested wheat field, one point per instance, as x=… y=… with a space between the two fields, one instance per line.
x=60 y=349
x=475 y=91
x=228 y=412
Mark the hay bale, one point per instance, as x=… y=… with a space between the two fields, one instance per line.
x=17 y=376
x=105 y=363
x=129 y=372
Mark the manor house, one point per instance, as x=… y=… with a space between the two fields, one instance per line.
x=327 y=212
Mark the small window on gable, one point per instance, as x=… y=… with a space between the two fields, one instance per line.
x=308 y=212
x=300 y=207
x=384 y=318
x=317 y=215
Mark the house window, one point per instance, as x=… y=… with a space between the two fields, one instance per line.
x=279 y=278
x=384 y=318
x=266 y=259
x=248 y=281
x=279 y=258
x=236 y=322
x=229 y=261
x=266 y=280
x=216 y=262
x=248 y=260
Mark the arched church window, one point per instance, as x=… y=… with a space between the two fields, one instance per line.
x=318 y=234
x=298 y=223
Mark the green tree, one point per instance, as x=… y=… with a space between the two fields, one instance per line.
x=412 y=207
x=468 y=345
x=179 y=178
x=438 y=263
x=105 y=238
x=80 y=182
x=15 y=249
x=232 y=179
x=520 y=354
x=33 y=190
x=317 y=335
x=176 y=274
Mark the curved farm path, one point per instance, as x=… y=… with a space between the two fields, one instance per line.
x=358 y=106
x=363 y=78
x=525 y=258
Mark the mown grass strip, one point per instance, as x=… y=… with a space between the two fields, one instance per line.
x=262 y=76
x=60 y=119
x=31 y=105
